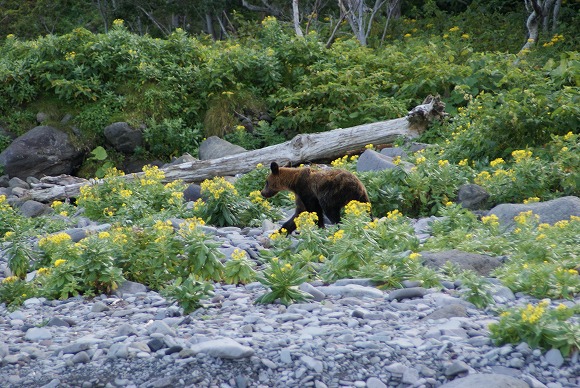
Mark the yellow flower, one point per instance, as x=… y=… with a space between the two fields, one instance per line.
x=465 y=36
x=505 y=314
x=443 y=163
x=531 y=200
x=286 y=267
x=561 y=224
x=369 y=146
x=43 y=271
x=520 y=155
x=118 y=22
x=407 y=35
x=463 y=162
x=524 y=217
x=568 y=136
x=357 y=208
x=448 y=203
x=414 y=256
x=59 y=262
x=339 y=234
x=561 y=307
x=573 y=271
x=321 y=258
x=420 y=159
x=125 y=193
x=104 y=235
x=393 y=215
x=238 y=254
x=496 y=162
x=306 y=220
x=454 y=29
x=259 y=165
x=10 y=279
x=397 y=160
x=541 y=237
x=491 y=220
x=564 y=149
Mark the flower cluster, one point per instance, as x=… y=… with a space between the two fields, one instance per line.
x=306 y=220
x=217 y=187
x=533 y=314
x=356 y=208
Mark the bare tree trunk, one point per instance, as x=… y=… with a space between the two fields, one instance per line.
x=209 y=26
x=302 y=148
x=296 y=18
x=391 y=9
x=540 y=12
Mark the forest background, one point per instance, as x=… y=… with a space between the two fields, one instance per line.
x=259 y=72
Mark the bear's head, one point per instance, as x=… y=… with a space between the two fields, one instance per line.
x=275 y=182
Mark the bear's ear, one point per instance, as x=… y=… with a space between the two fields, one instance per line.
x=274 y=167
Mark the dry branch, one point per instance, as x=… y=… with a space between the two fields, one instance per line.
x=302 y=148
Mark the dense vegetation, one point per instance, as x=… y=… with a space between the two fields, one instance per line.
x=513 y=128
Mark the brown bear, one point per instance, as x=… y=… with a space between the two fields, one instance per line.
x=325 y=192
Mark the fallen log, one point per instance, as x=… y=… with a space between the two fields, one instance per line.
x=302 y=148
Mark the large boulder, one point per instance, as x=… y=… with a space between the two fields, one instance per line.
x=472 y=196
x=371 y=160
x=43 y=150
x=481 y=264
x=549 y=212
x=123 y=138
x=214 y=147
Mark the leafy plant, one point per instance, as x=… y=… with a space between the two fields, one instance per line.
x=539 y=326
x=283 y=280
x=188 y=292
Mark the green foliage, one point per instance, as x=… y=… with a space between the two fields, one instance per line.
x=171 y=137
x=421 y=191
x=238 y=270
x=222 y=205
x=118 y=198
x=539 y=326
x=14 y=291
x=201 y=256
x=283 y=280
x=188 y=293
x=475 y=289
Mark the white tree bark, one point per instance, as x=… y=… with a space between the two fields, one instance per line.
x=302 y=148
x=296 y=17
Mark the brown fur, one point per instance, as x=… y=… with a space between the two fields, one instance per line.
x=325 y=192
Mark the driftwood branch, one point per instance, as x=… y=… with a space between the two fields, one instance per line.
x=302 y=148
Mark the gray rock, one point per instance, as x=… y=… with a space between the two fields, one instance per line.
x=486 y=381
x=316 y=294
x=38 y=334
x=33 y=209
x=126 y=330
x=99 y=307
x=549 y=212
x=223 y=348
x=213 y=147
x=81 y=358
x=472 y=196
x=394 y=152
x=481 y=264
x=373 y=382
x=456 y=368
x=41 y=151
x=407 y=293
x=352 y=290
x=76 y=347
x=118 y=351
x=160 y=327
x=312 y=363
x=17 y=182
x=123 y=138
x=371 y=160
x=127 y=288
x=192 y=193
x=448 y=311
x=554 y=357
x=56 y=321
